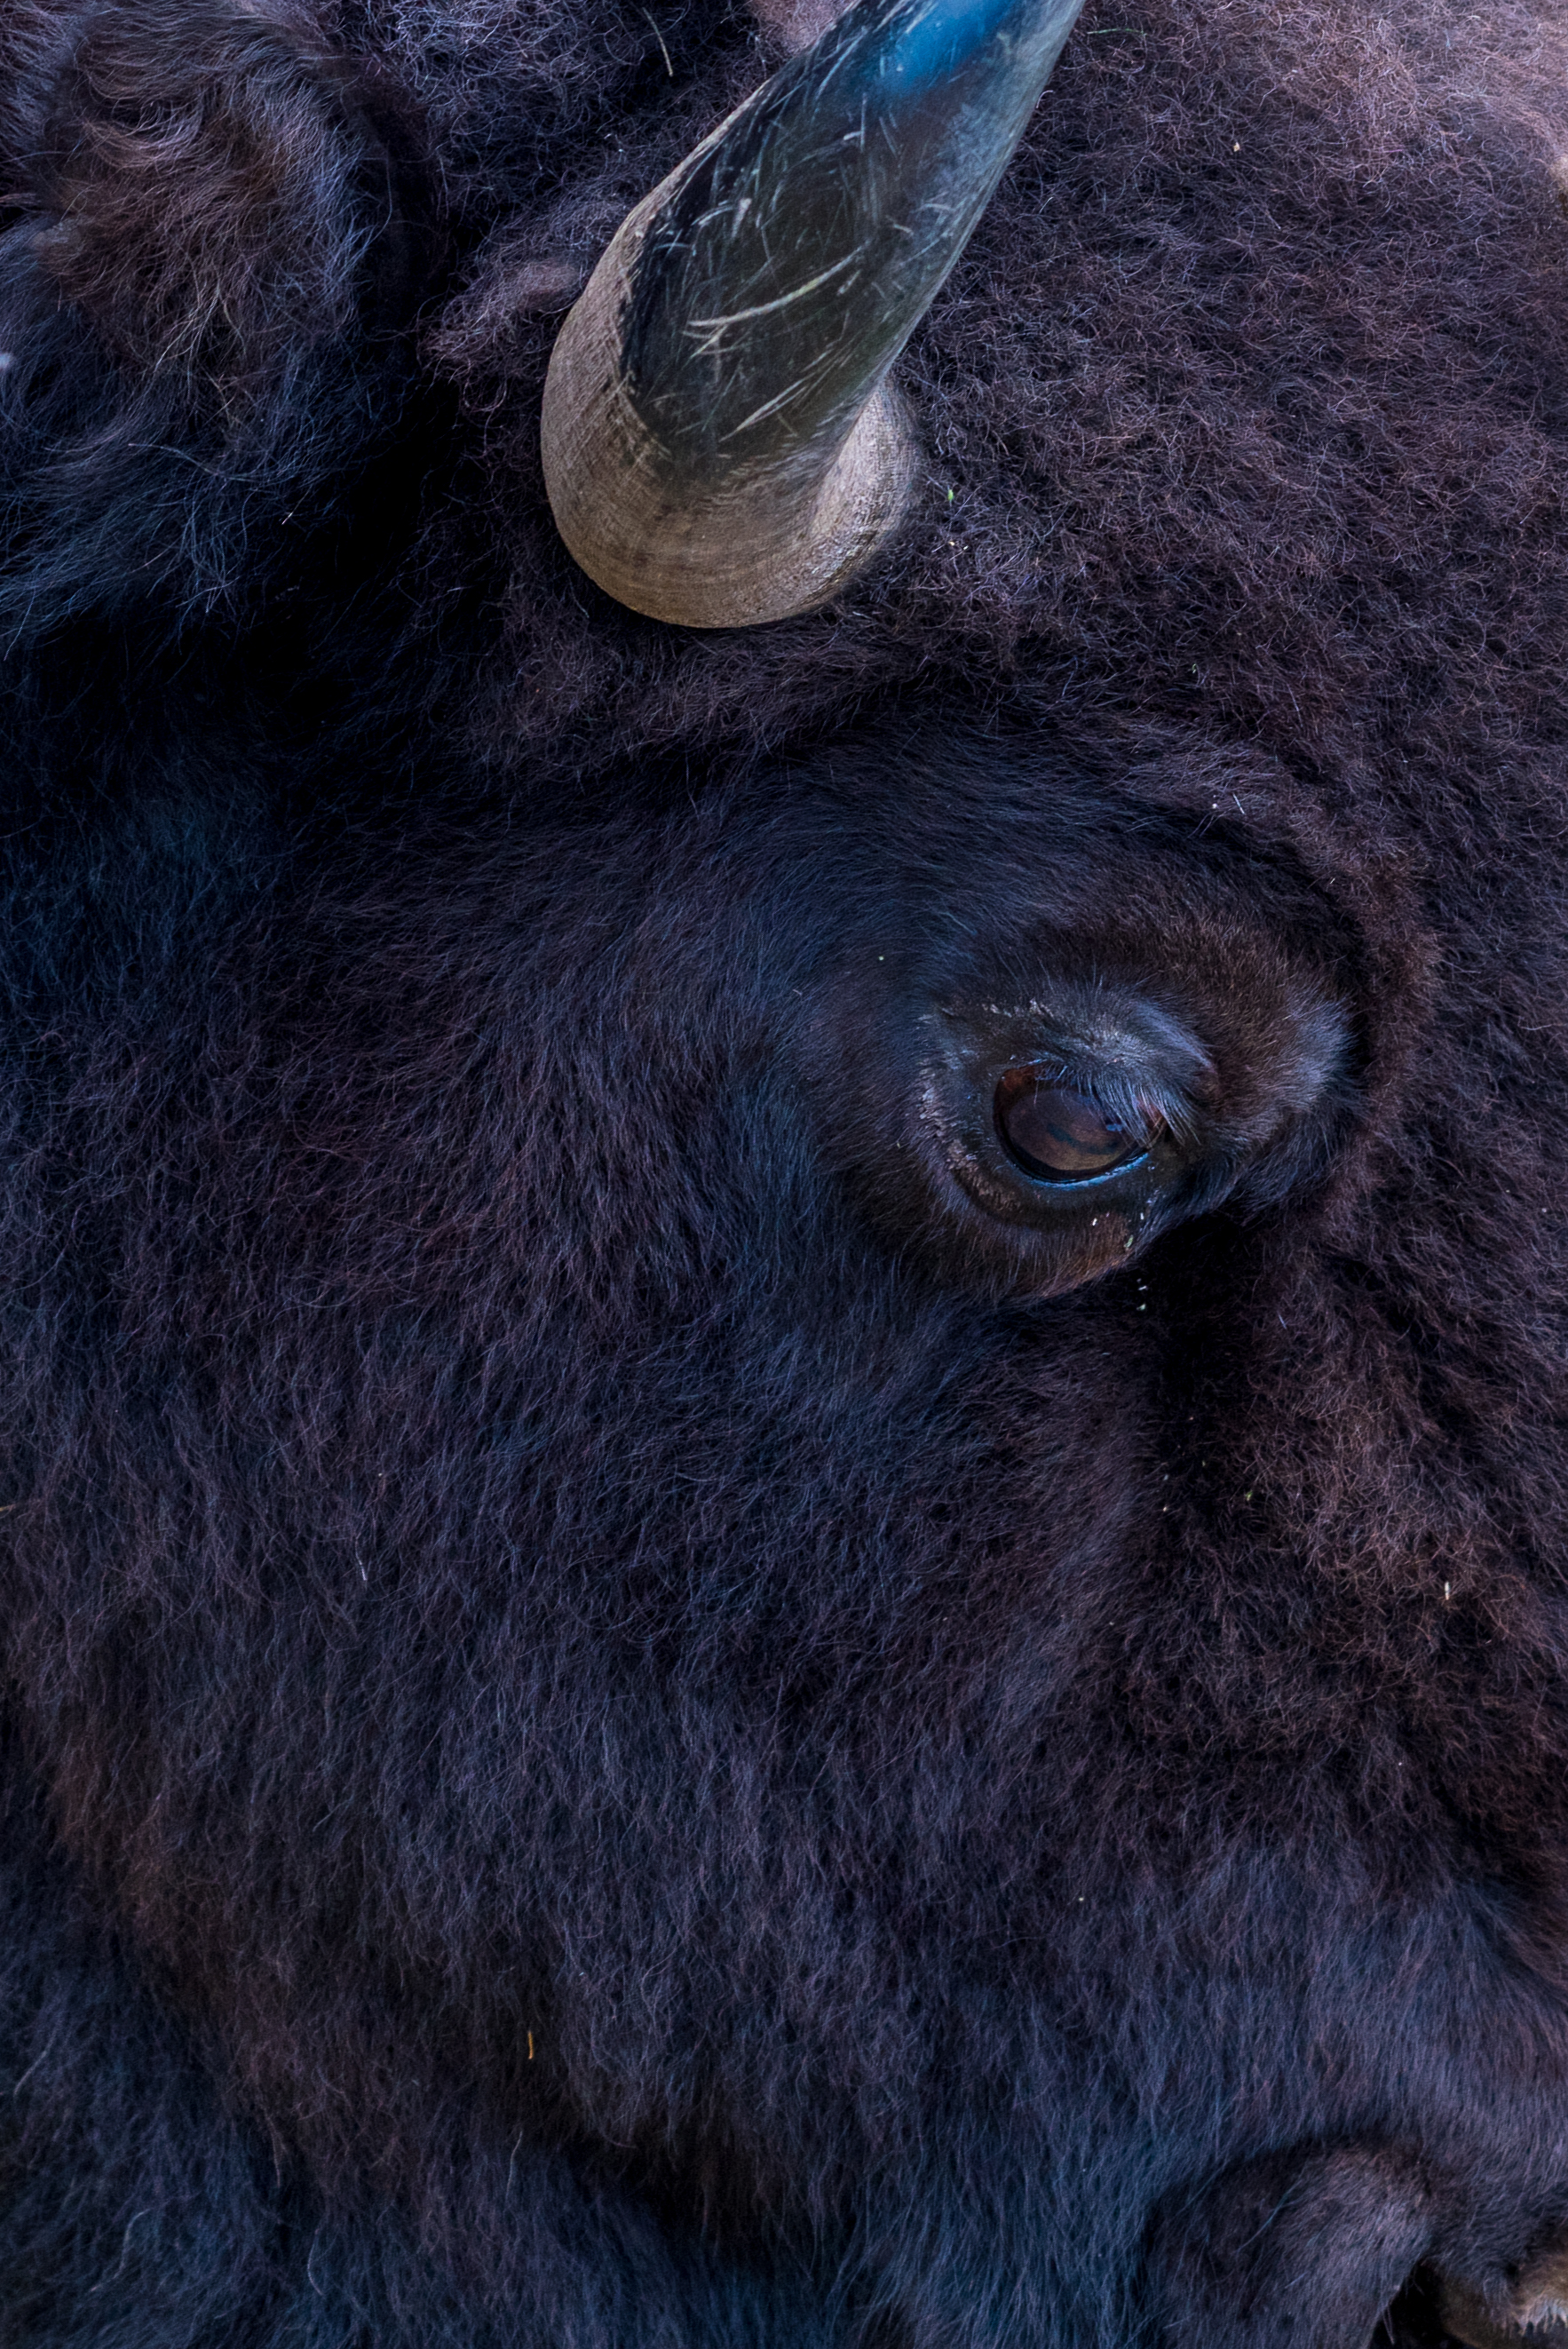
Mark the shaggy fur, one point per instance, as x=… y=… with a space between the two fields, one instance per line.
x=612 y=1737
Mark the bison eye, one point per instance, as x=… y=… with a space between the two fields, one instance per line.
x=1057 y=1134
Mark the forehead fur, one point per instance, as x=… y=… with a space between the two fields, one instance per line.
x=1247 y=401
x=1245 y=408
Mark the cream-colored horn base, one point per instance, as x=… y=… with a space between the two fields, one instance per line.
x=765 y=546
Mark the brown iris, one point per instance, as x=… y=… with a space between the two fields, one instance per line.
x=1060 y=1134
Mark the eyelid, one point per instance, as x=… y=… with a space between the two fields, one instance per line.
x=1143 y=1098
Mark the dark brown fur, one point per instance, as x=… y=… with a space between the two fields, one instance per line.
x=621 y=1729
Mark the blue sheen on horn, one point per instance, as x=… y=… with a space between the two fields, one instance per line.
x=792 y=254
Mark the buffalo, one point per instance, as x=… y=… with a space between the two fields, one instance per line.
x=785 y=1102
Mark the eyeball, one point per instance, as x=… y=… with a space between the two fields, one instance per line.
x=1057 y=1132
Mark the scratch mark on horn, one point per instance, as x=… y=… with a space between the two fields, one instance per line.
x=780 y=301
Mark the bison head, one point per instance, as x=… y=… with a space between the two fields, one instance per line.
x=783 y=1404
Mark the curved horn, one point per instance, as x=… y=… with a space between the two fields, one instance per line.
x=719 y=446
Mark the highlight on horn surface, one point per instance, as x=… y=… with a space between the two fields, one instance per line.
x=720 y=445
